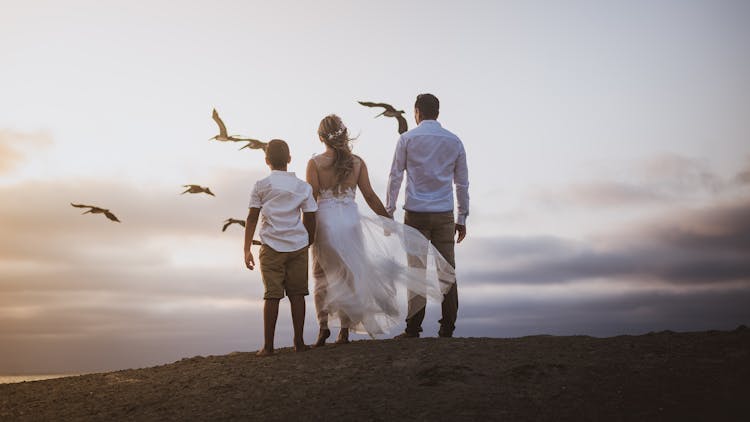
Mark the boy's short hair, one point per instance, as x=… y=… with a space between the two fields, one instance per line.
x=277 y=153
x=428 y=105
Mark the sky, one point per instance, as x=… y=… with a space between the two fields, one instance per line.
x=607 y=145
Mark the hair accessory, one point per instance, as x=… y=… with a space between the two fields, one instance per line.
x=334 y=135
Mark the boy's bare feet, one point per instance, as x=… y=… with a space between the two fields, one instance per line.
x=264 y=352
x=323 y=335
x=343 y=336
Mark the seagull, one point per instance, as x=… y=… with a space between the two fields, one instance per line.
x=224 y=137
x=97 y=210
x=254 y=144
x=230 y=221
x=389 y=111
x=197 y=189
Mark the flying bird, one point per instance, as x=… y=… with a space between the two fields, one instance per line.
x=389 y=111
x=224 y=137
x=96 y=210
x=230 y=221
x=254 y=144
x=197 y=189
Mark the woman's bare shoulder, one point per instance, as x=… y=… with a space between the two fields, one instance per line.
x=319 y=159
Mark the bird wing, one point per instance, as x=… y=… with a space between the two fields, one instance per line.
x=402 y=125
x=81 y=205
x=111 y=216
x=94 y=210
x=233 y=221
x=387 y=107
x=254 y=144
x=217 y=119
x=235 y=138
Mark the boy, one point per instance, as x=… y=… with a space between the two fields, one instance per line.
x=280 y=198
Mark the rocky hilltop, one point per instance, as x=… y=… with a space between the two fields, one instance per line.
x=656 y=376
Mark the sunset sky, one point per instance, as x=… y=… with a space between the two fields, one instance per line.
x=607 y=142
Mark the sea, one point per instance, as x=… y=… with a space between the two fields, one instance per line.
x=9 y=379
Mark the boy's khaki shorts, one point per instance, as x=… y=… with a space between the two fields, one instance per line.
x=283 y=271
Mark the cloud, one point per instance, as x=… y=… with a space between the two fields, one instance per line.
x=80 y=293
x=611 y=194
x=662 y=179
x=9 y=158
x=166 y=279
x=743 y=176
x=711 y=245
x=16 y=146
x=680 y=174
x=631 y=312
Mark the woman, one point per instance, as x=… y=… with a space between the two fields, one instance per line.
x=358 y=261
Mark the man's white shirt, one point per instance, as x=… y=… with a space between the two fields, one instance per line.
x=434 y=159
x=281 y=196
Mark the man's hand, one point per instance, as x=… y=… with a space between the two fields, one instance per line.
x=461 y=230
x=249 y=261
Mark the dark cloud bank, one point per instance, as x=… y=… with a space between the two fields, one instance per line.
x=708 y=246
x=72 y=299
x=689 y=271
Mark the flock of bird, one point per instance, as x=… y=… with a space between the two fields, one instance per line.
x=223 y=136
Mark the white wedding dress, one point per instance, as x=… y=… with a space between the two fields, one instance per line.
x=360 y=266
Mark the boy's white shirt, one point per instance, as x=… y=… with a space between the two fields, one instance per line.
x=281 y=197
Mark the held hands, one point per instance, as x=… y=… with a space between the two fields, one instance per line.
x=386 y=229
x=461 y=230
x=249 y=261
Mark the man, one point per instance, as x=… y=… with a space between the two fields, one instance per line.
x=434 y=160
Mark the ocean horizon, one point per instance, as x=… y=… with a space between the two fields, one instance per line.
x=10 y=379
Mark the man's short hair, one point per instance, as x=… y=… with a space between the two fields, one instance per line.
x=277 y=153
x=428 y=106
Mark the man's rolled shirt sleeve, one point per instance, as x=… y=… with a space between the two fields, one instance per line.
x=461 y=180
x=396 y=176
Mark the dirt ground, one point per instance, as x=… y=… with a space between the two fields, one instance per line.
x=657 y=376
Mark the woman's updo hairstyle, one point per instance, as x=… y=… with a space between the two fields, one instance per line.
x=334 y=134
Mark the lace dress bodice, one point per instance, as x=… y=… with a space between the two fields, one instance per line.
x=337 y=195
x=330 y=190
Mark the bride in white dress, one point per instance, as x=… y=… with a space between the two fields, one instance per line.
x=360 y=261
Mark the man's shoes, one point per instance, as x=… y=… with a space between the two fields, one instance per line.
x=406 y=335
x=445 y=334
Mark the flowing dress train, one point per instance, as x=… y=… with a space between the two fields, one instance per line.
x=361 y=262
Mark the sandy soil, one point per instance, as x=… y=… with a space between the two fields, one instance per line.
x=657 y=376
